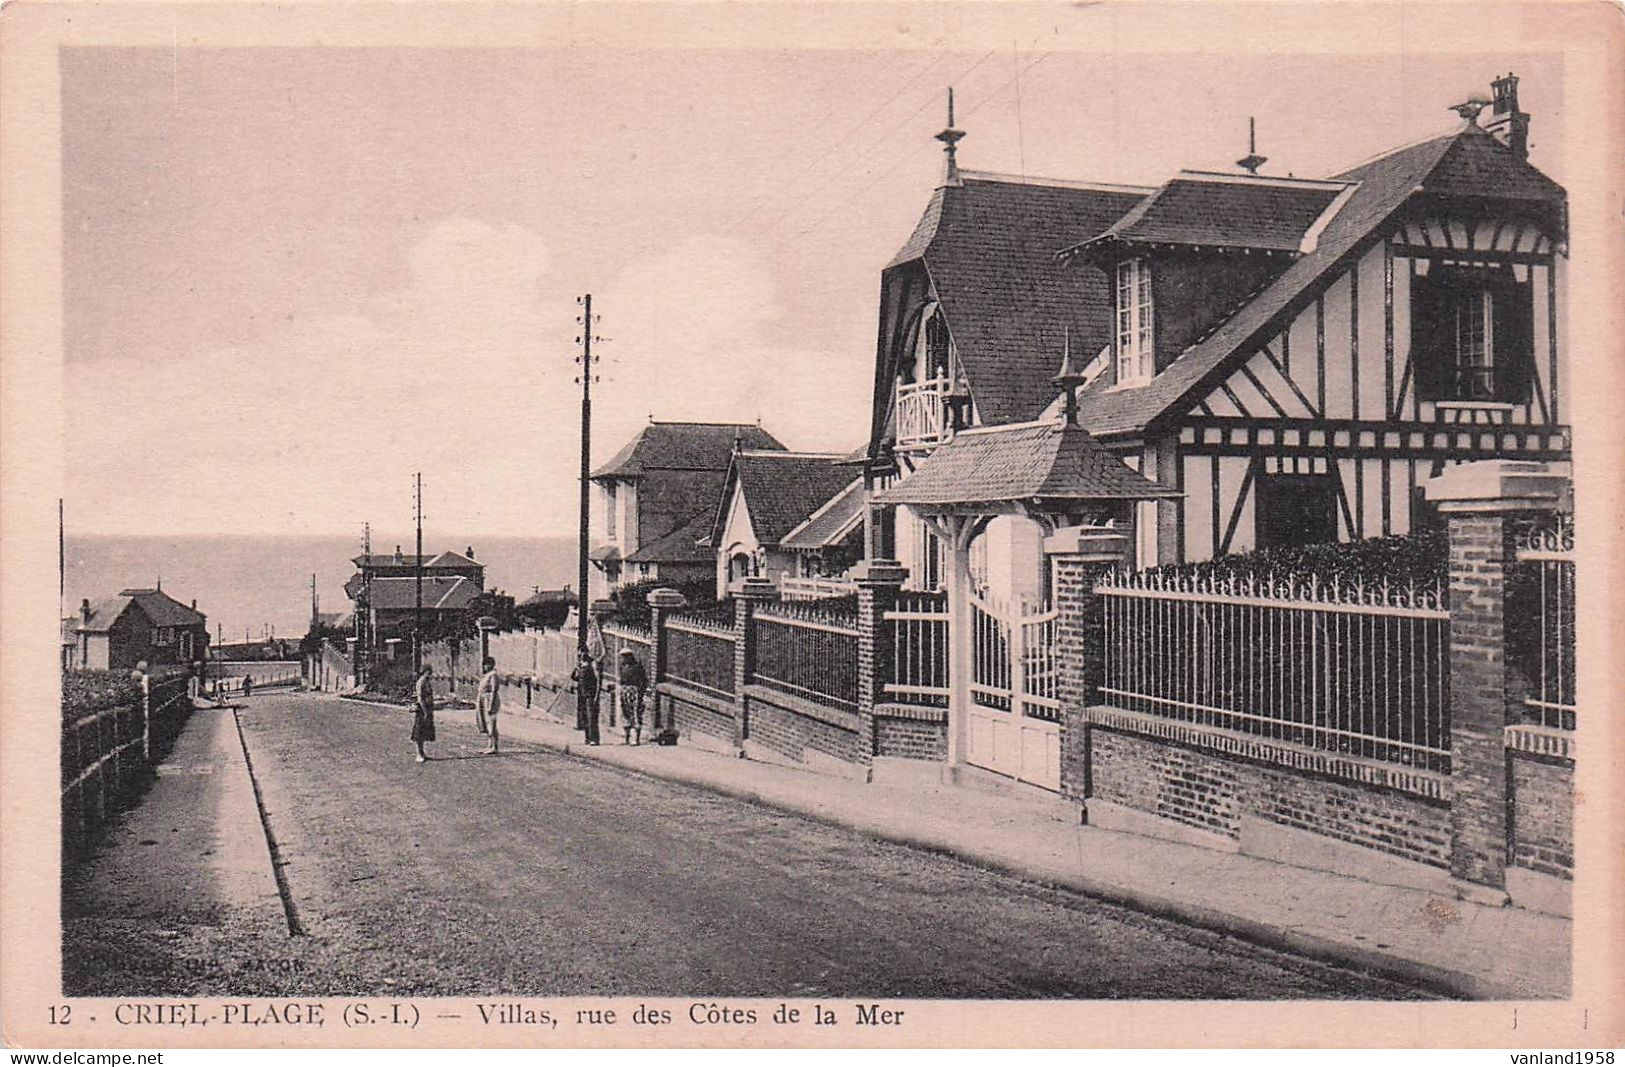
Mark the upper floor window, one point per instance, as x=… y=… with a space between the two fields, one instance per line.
x=1472 y=335
x=1135 y=359
x=609 y=509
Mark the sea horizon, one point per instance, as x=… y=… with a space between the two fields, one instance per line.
x=257 y=585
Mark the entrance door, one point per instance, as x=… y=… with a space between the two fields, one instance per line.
x=1013 y=722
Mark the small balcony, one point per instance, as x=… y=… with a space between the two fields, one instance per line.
x=922 y=414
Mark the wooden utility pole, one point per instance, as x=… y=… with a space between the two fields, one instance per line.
x=585 y=359
x=417 y=575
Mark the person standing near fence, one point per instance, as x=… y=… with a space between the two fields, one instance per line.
x=488 y=704
x=585 y=676
x=423 y=711
x=632 y=683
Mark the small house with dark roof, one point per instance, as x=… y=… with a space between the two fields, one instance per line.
x=1292 y=358
x=656 y=497
x=137 y=625
x=768 y=496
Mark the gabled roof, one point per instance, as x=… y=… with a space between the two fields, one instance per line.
x=159 y=607
x=834 y=520
x=989 y=246
x=781 y=489
x=440 y=593
x=450 y=559
x=1196 y=208
x=684 y=446
x=1039 y=461
x=682 y=545
x=1467 y=161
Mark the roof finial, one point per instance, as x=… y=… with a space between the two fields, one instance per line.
x=1469 y=108
x=950 y=137
x=1069 y=380
x=1252 y=160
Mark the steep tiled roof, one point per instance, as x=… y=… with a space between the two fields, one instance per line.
x=440 y=593
x=989 y=247
x=450 y=559
x=1225 y=211
x=445 y=559
x=1046 y=460
x=687 y=446
x=159 y=607
x=783 y=488
x=831 y=523
x=1467 y=161
x=681 y=545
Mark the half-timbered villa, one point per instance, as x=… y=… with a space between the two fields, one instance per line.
x=1294 y=357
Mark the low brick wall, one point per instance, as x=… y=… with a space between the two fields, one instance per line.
x=907 y=733
x=693 y=713
x=1542 y=795
x=1214 y=791
x=792 y=727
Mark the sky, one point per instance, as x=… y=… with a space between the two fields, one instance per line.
x=295 y=276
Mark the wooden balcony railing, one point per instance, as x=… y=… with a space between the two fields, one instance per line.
x=922 y=413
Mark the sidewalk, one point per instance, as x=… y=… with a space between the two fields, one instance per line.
x=1471 y=949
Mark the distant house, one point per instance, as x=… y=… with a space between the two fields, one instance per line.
x=787 y=515
x=384 y=590
x=656 y=498
x=136 y=625
x=547 y=607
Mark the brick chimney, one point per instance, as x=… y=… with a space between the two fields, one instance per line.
x=470 y=552
x=84 y=611
x=1507 y=123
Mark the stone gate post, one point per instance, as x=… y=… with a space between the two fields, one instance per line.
x=662 y=602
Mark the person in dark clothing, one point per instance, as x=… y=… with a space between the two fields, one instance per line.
x=632 y=683
x=585 y=676
x=423 y=711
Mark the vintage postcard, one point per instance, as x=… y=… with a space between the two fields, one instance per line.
x=780 y=524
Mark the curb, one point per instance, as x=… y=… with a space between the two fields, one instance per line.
x=1315 y=946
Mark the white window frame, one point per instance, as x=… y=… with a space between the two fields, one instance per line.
x=1135 y=334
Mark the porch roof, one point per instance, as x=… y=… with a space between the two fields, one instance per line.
x=1037 y=462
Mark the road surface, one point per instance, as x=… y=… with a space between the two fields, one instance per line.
x=538 y=873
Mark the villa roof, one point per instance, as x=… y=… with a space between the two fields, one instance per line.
x=832 y=523
x=781 y=489
x=159 y=607
x=989 y=247
x=1225 y=211
x=684 y=446
x=440 y=593
x=681 y=545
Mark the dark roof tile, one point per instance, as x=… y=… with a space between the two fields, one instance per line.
x=684 y=446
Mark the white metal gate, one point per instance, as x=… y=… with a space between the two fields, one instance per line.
x=1013 y=722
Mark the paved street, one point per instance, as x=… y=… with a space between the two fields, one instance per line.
x=538 y=873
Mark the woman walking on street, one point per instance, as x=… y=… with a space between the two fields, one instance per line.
x=423 y=710
x=633 y=683
x=487 y=703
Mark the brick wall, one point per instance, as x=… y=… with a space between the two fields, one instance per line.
x=1542 y=813
x=792 y=734
x=911 y=739
x=689 y=717
x=1213 y=792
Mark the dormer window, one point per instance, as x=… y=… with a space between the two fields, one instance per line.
x=1472 y=336
x=1136 y=361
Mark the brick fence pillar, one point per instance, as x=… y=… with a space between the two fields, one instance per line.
x=1483 y=503
x=747 y=595
x=879 y=581
x=662 y=602
x=1078 y=556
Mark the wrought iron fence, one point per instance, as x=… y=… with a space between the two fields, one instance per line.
x=808 y=651
x=1540 y=623
x=919 y=644
x=1358 y=669
x=700 y=652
